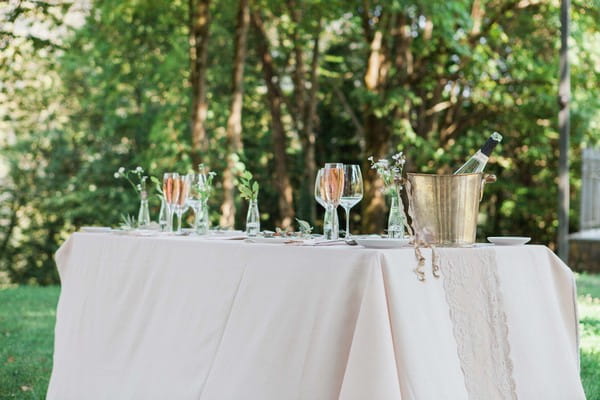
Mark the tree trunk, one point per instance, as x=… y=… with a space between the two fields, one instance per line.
x=305 y=107
x=199 y=12
x=275 y=100
x=234 y=121
x=310 y=137
x=377 y=137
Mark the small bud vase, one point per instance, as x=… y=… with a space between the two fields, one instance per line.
x=253 y=219
x=202 y=222
x=143 y=219
x=396 y=218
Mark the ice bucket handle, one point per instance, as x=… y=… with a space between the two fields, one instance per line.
x=487 y=178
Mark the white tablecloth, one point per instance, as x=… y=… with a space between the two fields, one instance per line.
x=185 y=318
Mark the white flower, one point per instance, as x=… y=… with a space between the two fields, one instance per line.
x=383 y=162
x=116 y=175
x=139 y=187
x=121 y=170
x=139 y=169
x=370 y=158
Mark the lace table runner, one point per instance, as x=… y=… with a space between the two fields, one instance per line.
x=479 y=323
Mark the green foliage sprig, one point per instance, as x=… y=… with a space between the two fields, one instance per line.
x=157 y=185
x=247 y=187
x=206 y=187
x=305 y=228
x=135 y=177
x=128 y=222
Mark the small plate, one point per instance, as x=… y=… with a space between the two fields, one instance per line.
x=382 y=243
x=270 y=240
x=508 y=240
x=95 y=229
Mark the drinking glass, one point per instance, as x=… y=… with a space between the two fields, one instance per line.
x=328 y=217
x=171 y=193
x=352 y=192
x=332 y=187
x=181 y=205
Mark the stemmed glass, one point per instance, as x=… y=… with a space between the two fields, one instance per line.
x=352 y=192
x=332 y=187
x=329 y=217
x=183 y=184
x=171 y=183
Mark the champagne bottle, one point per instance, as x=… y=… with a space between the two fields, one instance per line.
x=478 y=160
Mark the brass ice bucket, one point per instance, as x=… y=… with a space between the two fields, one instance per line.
x=444 y=208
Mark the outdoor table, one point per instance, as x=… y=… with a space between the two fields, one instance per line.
x=172 y=317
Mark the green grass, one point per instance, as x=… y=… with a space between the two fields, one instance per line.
x=27 y=317
x=588 y=289
x=27 y=332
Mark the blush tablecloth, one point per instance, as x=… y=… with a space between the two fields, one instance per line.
x=186 y=318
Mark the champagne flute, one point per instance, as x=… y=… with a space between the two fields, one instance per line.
x=332 y=187
x=352 y=192
x=183 y=184
x=327 y=218
x=171 y=193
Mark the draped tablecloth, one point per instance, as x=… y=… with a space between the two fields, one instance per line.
x=188 y=318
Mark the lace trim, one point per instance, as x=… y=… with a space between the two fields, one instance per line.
x=479 y=323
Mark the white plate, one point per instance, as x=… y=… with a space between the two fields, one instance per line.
x=508 y=240
x=270 y=240
x=95 y=229
x=382 y=243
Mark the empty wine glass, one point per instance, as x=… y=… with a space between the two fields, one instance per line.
x=171 y=193
x=332 y=186
x=352 y=192
x=183 y=184
x=329 y=216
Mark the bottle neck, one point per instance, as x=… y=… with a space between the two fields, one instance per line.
x=488 y=146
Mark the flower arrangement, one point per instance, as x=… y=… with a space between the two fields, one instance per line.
x=247 y=187
x=206 y=187
x=390 y=172
x=135 y=177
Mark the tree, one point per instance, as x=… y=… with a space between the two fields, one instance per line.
x=234 y=121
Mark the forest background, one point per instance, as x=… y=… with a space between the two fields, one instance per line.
x=279 y=88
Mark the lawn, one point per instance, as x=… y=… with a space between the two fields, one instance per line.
x=27 y=331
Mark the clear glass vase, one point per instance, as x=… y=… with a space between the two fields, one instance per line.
x=202 y=219
x=143 y=219
x=396 y=217
x=331 y=223
x=252 y=219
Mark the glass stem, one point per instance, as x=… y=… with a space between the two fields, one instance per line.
x=170 y=212
x=347 y=236
x=179 y=214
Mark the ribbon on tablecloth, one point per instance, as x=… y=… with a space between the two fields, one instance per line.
x=476 y=309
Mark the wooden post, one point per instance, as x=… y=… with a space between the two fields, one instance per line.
x=564 y=94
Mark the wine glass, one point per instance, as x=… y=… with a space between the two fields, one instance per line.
x=332 y=187
x=183 y=184
x=352 y=192
x=171 y=193
x=328 y=217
